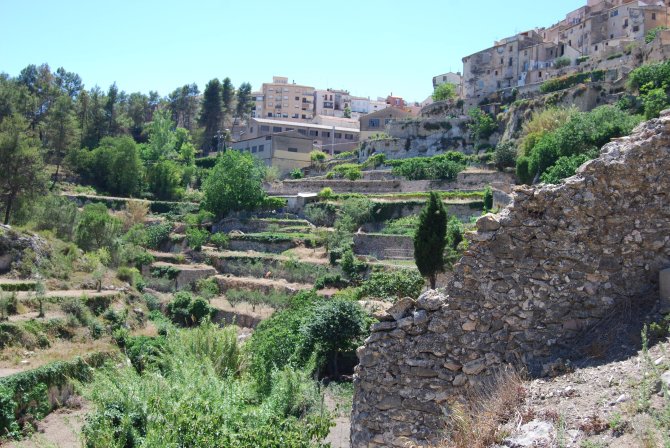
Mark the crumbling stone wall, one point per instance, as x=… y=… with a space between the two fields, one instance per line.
x=557 y=260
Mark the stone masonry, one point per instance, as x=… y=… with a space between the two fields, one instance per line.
x=555 y=261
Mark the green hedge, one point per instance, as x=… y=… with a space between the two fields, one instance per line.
x=27 y=285
x=206 y=162
x=567 y=81
x=27 y=392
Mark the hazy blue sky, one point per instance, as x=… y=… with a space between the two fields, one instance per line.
x=370 y=47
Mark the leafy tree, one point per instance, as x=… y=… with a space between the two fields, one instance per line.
x=183 y=103
x=482 y=125
x=562 y=62
x=164 y=180
x=505 y=155
x=211 y=113
x=336 y=326
x=59 y=214
x=196 y=237
x=188 y=311
x=244 y=102
x=112 y=111
x=161 y=143
x=61 y=131
x=655 y=101
x=139 y=112
x=21 y=165
x=444 y=92
x=68 y=83
x=227 y=96
x=97 y=229
x=347 y=111
x=651 y=34
x=235 y=183
x=429 y=240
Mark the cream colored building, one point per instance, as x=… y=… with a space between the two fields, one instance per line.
x=601 y=29
x=284 y=101
x=285 y=152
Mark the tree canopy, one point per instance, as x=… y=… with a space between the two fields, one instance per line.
x=430 y=239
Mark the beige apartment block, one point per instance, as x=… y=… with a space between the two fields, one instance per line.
x=331 y=102
x=284 y=101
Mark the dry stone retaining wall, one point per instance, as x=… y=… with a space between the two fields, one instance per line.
x=556 y=261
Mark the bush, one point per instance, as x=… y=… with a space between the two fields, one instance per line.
x=488 y=198
x=350 y=171
x=482 y=125
x=165 y=180
x=402 y=226
x=561 y=62
x=296 y=174
x=504 y=155
x=188 y=311
x=393 y=285
x=126 y=274
x=220 y=240
x=97 y=228
x=196 y=237
x=345 y=155
x=441 y=167
x=326 y=193
x=564 y=167
x=58 y=214
x=317 y=156
x=444 y=92
x=650 y=76
x=651 y=34
x=158 y=234
x=655 y=101
x=567 y=81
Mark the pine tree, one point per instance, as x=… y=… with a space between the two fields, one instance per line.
x=429 y=239
x=244 y=102
x=211 y=113
x=227 y=96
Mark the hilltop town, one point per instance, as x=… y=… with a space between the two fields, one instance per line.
x=298 y=266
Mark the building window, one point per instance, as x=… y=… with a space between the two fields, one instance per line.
x=276 y=129
x=338 y=135
x=261 y=148
x=509 y=62
x=288 y=129
x=302 y=131
x=292 y=149
x=313 y=133
x=296 y=116
x=625 y=23
x=284 y=115
x=348 y=136
x=254 y=149
x=325 y=134
x=251 y=130
x=496 y=72
x=614 y=13
x=653 y=16
x=297 y=98
x=268 y=138
x=635 y=30
x=373 y=123
x=265 y=128
x=269 y=114
x=387 y=121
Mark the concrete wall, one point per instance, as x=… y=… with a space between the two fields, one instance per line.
x=557 y=261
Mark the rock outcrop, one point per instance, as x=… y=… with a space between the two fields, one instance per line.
x=554 y=262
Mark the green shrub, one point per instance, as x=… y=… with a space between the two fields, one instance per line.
x=326 y=193
x=393 y=285
x=375 y=160
x=561 y=62
x=651 y=34
x=488 y=198
x=196 y=237
x=188 y=311
x=127 y=274
x=482 y=125
x=505 y=155
x=565 y=166
x=164 y=180
x=567 y=81
x=97 y=229
x=402 y=226
x=317 y=156
x=614 y=56
x=350 y=171
x=345 y=155
x=440 y=167
x=273 y=203
x=655 y=101
x=220 y=240
x=296 y=174
x=158 y=234
x=58 y=214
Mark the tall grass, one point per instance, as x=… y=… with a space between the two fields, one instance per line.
x=197 y=395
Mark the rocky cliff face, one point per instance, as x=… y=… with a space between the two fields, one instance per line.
x=556 y=261
x=20 y=249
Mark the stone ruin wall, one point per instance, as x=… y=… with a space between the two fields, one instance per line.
x=554 y=262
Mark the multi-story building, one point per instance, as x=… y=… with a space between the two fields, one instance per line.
x=596 y=31
x=363 y=106
x=285 y=152
x=284 y=101
x=378 y=122
x=331 y=102
x=450 y=77
x=330 y=139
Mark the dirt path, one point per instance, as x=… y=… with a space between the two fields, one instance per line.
x=60 y=429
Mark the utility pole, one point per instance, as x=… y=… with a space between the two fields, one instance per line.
x=332 y=143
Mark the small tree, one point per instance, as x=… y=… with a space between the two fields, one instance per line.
x=430 y=239
x=488 y=198
x=444 y=92
x=482 y=125
x=235 y=183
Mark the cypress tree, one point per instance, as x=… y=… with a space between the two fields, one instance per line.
x=429 y=239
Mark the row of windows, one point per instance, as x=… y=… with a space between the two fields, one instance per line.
x=375 y=122
x=255 y=149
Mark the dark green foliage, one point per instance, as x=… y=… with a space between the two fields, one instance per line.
x=26 y=392
x=393 y=285
x=523 y=170
x=196 y=237
x=335 y=327
x=567 y=81
x=164 y=180
x=206 y=162
x=650 y=76
x=430 y=239
x=350 y=265
x=158 y=234
x=211 y=113
x=505 y=155
x=114 y=166
x=97 y=228
x=188 y=311
x=565 y=166
x=488 y=198
x=296 y=174
x=441 y=167
x=330 y=280
x=234 y=184
x=655 y=101
x=144 y=351
x=584 y=133
x=561 y=62
x=482 y=125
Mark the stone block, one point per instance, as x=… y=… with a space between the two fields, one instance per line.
x=664 y=282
